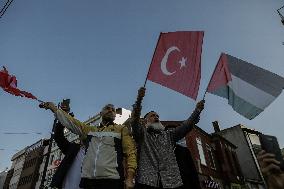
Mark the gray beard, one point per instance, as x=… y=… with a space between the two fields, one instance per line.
x=156 y=126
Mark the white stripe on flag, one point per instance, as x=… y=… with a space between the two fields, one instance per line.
x=250 y=93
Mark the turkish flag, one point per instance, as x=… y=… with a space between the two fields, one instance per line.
x=176 y=63
x=9 y=84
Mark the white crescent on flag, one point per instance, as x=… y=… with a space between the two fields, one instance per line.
x=165 y=60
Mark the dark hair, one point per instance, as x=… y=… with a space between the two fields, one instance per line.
x=148 y=113
x=108 y=105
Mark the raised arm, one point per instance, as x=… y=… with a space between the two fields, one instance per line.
x=74 y=125
x=188 y=124
x=136 y=113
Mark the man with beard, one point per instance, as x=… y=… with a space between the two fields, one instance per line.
x=157 y=165
x=106 y=145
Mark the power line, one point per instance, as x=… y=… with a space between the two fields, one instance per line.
x=6 y=6
x=20 y=133
x=7 y=149
x=281 y=16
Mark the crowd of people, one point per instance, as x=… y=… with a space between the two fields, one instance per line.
x=142 y=156
x=114 y=156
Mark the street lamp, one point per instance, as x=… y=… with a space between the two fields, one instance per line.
x=281 y=16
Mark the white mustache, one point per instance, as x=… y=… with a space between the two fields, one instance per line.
x=156 y=126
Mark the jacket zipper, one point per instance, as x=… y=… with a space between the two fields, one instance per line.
x=97 y=154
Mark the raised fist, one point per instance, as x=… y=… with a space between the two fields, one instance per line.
x=200 y=105
x=141 y=92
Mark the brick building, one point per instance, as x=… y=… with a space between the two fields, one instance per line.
x=244 y=138
x=214 y=158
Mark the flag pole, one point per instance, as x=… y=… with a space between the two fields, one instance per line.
x=152 y=60
x=204 y=95
x=40 y=101
x=211 y=76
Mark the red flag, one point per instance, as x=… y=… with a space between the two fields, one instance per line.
x=177 y=61
x=9 y=84
x=221 y=75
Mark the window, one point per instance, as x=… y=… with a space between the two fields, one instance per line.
x=235 y=159
x=211 y=157
x=30 y=178
x=34 y=161
x=20 y=182
x=230 y=162
x=201 y=152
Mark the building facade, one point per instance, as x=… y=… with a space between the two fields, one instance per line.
x=214 y=158
x=239 y=136
x=8 y=178
x=33 y=159
x=3 y=176
x=18 y=162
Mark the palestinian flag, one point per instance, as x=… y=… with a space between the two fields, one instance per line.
x=248 y=88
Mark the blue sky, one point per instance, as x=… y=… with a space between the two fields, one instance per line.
x=98 y=52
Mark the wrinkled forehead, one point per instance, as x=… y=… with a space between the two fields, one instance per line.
x=108 y=106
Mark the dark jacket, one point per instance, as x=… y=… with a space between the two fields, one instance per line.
x=69 y=149
x=156 y=159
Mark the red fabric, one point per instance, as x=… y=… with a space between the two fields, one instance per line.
x=9 y=84
x=221 y=75
x=4 y=78
x=181 y=71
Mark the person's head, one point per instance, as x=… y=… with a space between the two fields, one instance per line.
x=151 y=117
x=108 y=113
x=152 y=121
x=65 y=105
